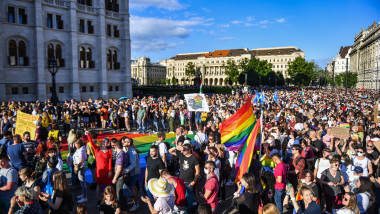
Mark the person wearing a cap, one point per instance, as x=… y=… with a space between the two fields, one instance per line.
x=357 y=172
x=163 y=193
x=280 y=172
x=210 y=191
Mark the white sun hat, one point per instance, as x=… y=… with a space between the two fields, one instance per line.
x=160 y=187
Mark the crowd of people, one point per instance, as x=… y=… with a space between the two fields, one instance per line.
x=301 y=167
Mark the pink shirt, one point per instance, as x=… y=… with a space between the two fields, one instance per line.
x=280 y=170
x=213 y=186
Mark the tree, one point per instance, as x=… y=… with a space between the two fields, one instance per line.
x=174 y=81
x=167 y=81
x=256 y=70
x=352 y=80
x=301 y=72
x=190 y=70
x=232 y=72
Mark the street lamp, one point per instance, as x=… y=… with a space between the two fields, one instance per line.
x=53 y=69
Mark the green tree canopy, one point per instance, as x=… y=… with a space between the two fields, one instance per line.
x=232 y=72
x=301 y=72
x=190 y=70
x=352 y=80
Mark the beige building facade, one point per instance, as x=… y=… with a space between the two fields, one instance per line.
x=144 y=72
x=210 y=64
x=365 y=57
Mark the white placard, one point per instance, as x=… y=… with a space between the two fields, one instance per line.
x=196 y=102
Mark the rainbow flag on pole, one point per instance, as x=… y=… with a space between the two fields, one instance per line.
x=237 y=128
x=244 y=160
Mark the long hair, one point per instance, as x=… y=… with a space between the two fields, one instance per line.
x=41 y=149
x=366 y=186
x=268 y=179
x=353 y=203
x=109 y=190
x=251 y=181
x=60 y=182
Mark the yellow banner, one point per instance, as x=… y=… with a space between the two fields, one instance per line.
x=25 y=123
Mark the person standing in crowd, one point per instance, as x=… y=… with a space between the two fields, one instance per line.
x=364 y=194
x=360 y=159
x=270 y=209
x=26 y=176
x=280 y=174
x=25 y=199
x=118 y=178
x=306 y=205
x=8 y=185
x=163 y=193
x=179 y=191
x=17 y=153
x=79 y=160
x=104 y=116
x=61 y=200
x=210 y=192
x=141 y=115
x=133 y=169
x=189 y=166
x=103 y=158
x=297 y=165
x=333 y=181
x=350 y=204
x=163 y=150
x=247 y=202
x=154 y=166
x=321 y=164
x=41 y=132
x=109 y=204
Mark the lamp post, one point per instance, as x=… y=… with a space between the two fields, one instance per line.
x=53 y=69
x=346 y=74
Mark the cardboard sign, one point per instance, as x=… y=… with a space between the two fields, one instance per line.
x=377 y=113
x=377 y=145
x=25 y=123
x=339 y=132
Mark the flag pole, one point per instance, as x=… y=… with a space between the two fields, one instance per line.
x=261 y=132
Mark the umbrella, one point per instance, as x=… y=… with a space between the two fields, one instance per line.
x=123 y=98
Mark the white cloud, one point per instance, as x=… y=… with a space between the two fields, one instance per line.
x=152 y=34
x=282 y=20
x=224 y=25
x=162 y=4
x=236 y=22
x=226 y=38
x=263 y=22
x=250 y=19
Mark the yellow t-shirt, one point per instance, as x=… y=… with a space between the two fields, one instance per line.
x=54 y=135
x=66 y=118
x=45 y=122
x=204 y=116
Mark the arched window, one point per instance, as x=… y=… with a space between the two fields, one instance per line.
x=58 y=51
x=12 y=53
x=89 y=62
x=50 y=51
x=82 y=57
x=109 y=59
x=22 y=53
x=116 y=65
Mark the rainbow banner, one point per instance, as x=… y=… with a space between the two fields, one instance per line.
x=344 y=125
x=244 y=161
x=236 y=129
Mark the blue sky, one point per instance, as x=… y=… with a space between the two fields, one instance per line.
x=161 y=29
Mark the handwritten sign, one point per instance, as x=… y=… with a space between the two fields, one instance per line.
x=340 y=132
x=25 y=123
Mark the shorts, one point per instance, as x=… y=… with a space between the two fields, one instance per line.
x=132 y=180
x=86 y=119
x=197 y=120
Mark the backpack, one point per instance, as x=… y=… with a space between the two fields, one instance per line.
x=3 y=148
x=48 y=188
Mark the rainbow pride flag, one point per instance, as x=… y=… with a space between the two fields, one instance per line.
x=236 y=129
x=244 y=160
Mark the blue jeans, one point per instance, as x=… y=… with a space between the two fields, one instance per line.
x=163 y=124
x=155 y=124
x=279 y=196
x=150 y=196
x=141 y=125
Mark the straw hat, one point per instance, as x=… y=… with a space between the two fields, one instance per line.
x=160 y=187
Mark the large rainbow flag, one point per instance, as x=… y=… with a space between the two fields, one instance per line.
x=245 y=158
x=236 y=129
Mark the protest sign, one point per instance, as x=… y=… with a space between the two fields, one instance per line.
x=377 y=144
x=196 y=102
x=377 y=114
x=25 y=123
x=340 y=132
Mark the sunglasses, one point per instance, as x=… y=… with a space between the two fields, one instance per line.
x=185 y=149
x=369 y=146
x=345 y=199
x=211 y=139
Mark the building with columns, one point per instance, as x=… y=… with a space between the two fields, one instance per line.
x=90 y=39
x=210 y=64
x=365 y=57
x=144 y=72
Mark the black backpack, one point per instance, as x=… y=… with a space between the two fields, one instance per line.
x=3 y=148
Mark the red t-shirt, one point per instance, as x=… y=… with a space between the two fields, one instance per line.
x=213 y=186
x=280 y=170
x=180 y=193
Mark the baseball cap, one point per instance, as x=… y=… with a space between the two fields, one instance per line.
x=186 y=142
x=358 y=169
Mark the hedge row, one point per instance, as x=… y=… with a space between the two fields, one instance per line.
x=172 y=91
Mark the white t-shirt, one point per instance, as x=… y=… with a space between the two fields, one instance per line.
x=348 y=172
x=322 y=165
x=298 y=126
x=362 y=163
x=164 y=205
x=363 y=201
x=200 y=138
x=345 y=211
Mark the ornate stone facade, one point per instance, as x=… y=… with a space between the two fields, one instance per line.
x=89 y=38
x=143 y=72
x=211 y=63
x=365 y=57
